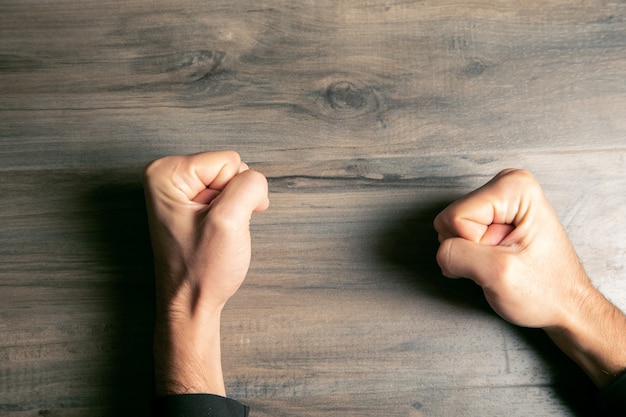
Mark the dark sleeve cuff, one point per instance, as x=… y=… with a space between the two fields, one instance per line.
x=192 y=405
x=613 y=398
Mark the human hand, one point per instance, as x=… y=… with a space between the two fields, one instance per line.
x=506 y=237
x=199 y=210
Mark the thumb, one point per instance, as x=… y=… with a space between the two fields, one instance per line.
x=461 y=258
x=247 y=192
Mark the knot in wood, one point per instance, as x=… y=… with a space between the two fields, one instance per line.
x=197 y=65
x=346 y=99
x=474 y=69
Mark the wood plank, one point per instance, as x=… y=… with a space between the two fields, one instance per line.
x=311 y=81
x=343 y=299
x=367 y=117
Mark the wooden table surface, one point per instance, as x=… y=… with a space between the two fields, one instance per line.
x=367 y=117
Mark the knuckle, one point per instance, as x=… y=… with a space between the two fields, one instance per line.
x=155 y=169
x=232 y=157
x=444 y=255
x=525 y=176
x=257 y=179
x=522 y=177
x=438 y=223
x=226 y=221
x=505 y=269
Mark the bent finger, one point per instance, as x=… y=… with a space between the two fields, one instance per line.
x=246 y=193
x=460 y=258
x=496 y=233
x=503 y=200
x=214 y=169
x=210 y=192
x=192 y=174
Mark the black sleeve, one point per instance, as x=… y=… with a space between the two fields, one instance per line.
x=196 y=405
x=613 y=398
x=612 y=401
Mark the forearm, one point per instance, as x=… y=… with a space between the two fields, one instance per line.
x=594 y=336
x=187 y=355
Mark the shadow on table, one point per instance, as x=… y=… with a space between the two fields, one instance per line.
x=411 y=244
x=116 y=201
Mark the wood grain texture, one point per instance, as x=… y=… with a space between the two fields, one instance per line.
x=367 y=118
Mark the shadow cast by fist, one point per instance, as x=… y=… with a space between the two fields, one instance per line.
x=116 y=201
x=410 y=244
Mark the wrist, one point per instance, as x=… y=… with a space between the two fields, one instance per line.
x=187 y=353
x=594 y=336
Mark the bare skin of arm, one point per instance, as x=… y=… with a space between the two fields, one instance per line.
x=506 y=237
x=199 y=210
